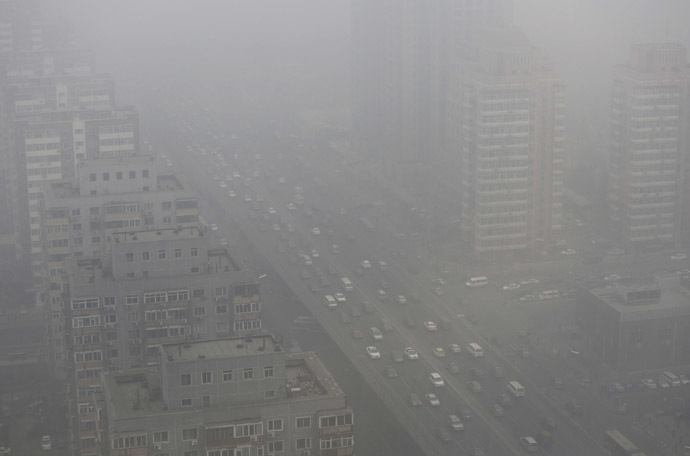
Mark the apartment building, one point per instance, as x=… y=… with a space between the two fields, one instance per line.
x=79 y=217
x=509 y=109
x=152 y=287
x=648 y=193
x=239 y=396
x=48 y=147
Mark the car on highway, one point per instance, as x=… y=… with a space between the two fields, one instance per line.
x=511 y=287
x=478 y=451
x=414 y=400
x=505 y=400
x=678 y=256
x=291 y=207
x=376 y=333
x=453 y=368
x=443 y=435
x=430 y=325
x=663 y=383
x=390 y=372
x=340 y=297
x=529 y=282
x=381 y=294
x=232 y=194
x=411 y=353
x=214 y=227
x=432 y=400
x=272 y=211
x=455 y=423
x=357 y=334
x=397 y=356
x=684 y=380
x=438 y=281
x=497 y=410
x=436 y=380
x=383 y=265
x=401 y=299
x=438 y=291
x=409 y=322
x=568 y=252
x=464 y=412
x=611 y=277
x=368 y=308
x=46 y=442
x=5 y=450
x=365 y=264
x=529 y=444
x=314 y=253
x=439 y=352
x=344 y=317
x=526 y=298
x=475 y=386
x=454 y=348
x=616 y=251
x=497 y=372
x=315 y=231
x=354 y=311
x=373 y=352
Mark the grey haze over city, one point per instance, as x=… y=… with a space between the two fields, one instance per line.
x=344 y=227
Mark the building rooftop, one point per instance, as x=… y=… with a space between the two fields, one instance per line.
x=220 y=348
x=70 y=189
x=167 y=234
x=646 y=299
x=136 y=393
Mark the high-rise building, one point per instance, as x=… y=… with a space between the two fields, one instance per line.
x=402 y=53
x=152 y=287
x=242 y=396
x=648 y=194
x=79 y=217
x=21 y=25
x=509 y=111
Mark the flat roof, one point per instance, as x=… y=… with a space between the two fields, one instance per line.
x=136 y=393
x=674 y=301
x=221 y=348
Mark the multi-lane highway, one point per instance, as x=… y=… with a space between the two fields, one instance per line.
x=294 y=199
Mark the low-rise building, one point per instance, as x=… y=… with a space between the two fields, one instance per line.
x=237 y=396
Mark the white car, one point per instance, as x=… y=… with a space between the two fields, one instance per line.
x=314 y=253
x=678 y=256
x=432 y=399
x=663 y=383
x=376 y=333
x=612 y=277
x=511 y=287
x=454 y=348
x=315 y=231
x=373 y=352
x=232 y=194
x=366 y=264
x=214 y=227
x=5 y=450
x=402 y=299
x=529 y=282
x=271 y=211
x=291 y=207
x=649 y=383
x=247 y=199
x=455 y=423
x=568 y=252
x=430 y=325
x=411 y=353
x=46 y=442
x=340 y=297
x=222 y=184
x=383 y=265
x=436 y=380
x=281 y=180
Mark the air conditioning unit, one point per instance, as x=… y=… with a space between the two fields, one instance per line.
x=110 y=325
x=157 y=447
x=253 y=438
x=195 y=442
x=184 y=321
x=110 y=343
x=219 y=298
x=271 y=434
x=306 y=453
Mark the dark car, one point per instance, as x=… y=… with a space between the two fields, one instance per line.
x=354 y=311
x=409 y=323
x=476 y=373
x=498 y=372
x=390 y=372
x=505 y=400
x=367 y=307
x=548 y=423
x=465 y=413
x=573 y=407
x=453 y=368
x=443 y=435
x=497 y=410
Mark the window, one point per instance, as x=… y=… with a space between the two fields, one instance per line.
x=275 y=425
x=275 y=447
x=166 y=205
x=145 y=173
x=110 y=318
x=199 y=311
x=332 y=421
x=178 y=253
x=303 y=443
x=268 y=371
x=194 y=252
x=198 y=293
x=76 y=212
x=248 y=373
x=186 y=379
x=132 y=174
x=160 y=437
x=221 y=309
x=161 y=254
x=187 y=402
x=303 y=422
x=92 y=177
x=337 y=442
x=106 y=176
x=190 y=434
x=146 y=256
x=206 y=401
x=227 y=375
x=194 y=270
x=118 y=175
x=206 y=378
x=270 y=394
x=134 y=351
